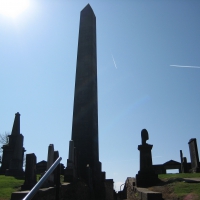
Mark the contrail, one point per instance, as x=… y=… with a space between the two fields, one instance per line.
x=184 y=66
x=114 y=61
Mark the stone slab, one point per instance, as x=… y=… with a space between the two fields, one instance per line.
x=145 y=194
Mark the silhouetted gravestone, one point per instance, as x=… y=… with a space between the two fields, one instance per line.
x=146 y=176
x=13 y=152
x=50 y=161
x=181 y=156
x=30 y=172
x=194 y=156
x=185 y=165
x=70 y=171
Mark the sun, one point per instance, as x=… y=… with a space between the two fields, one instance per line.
x=12 y=8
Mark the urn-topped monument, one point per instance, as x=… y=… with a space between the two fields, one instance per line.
x=146 y=176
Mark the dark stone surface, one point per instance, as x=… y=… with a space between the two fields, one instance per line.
x=181 y=157
x=185 y=165
x=30 y=172
x=146 y=176
x=41 y=167
x=194 y=156
x=13 y=152
x=85 y=113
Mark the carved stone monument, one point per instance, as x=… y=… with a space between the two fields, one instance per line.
x=30 y=172
x=85 y=112
x=13 y=152
x=146 y=176
x=194 y=156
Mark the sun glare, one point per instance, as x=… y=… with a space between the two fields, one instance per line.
x=12 y=8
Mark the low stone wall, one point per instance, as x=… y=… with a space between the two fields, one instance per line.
x=75 y=191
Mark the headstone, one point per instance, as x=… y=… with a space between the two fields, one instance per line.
x=181 y=156
x=70 y=171
x=57 y=175
x=194 y=156
x=185 y=165
x=146 y=176
x=13 y=152
x=50 y=161
x=30 y=172
x=57 y=170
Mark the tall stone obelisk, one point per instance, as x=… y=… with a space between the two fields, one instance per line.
x=85 y=114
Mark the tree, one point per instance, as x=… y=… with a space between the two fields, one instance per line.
x=4 y=139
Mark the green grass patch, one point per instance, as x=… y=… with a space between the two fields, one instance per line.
x=9 y=184
x=182 y=189
x=181 y=175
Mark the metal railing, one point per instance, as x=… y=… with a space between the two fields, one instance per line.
x=34 y=190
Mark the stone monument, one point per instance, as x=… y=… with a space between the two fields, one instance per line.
x=30 y=172
x=194 y=156
x=13 y=152
x=50 y=161
x=85 y=112
x=146 y=176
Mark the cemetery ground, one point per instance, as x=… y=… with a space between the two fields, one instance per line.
x=10 y=184
x=173 y=186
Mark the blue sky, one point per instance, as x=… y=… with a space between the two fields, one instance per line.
x=137 y=41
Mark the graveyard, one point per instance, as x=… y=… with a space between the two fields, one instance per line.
x=22 y=175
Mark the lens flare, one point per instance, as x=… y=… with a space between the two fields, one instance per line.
x=13 y=8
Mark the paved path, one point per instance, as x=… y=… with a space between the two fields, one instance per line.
x=192 y=180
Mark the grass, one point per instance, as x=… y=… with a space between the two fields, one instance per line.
x=182 y=189
x=9 y=184
x=182 y=175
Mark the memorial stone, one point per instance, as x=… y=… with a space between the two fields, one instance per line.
x=146 y=176
x=13 y=152
x=194 y=156
x=181 y=156
x=50 y=160
x=30 y=172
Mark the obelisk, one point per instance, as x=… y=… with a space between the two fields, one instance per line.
x=85 y=113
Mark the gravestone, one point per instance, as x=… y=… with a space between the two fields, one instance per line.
x=13 y=152
x=185 y=165
x=146 y=176
x=57 y=170
x=70 y=171
x=194 y=156
x=181 y=156
x=30 y=172
x=50 y=161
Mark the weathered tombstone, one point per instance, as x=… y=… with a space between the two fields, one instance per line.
x=70 y=171
x=194 y=156
x=146 y=176
x=185 y=166
x=181 y=156
x=30 y=172
x=57 y=170
x=50 y=161
x=57 y=175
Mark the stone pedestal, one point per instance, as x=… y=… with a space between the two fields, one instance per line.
x=146 y=176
